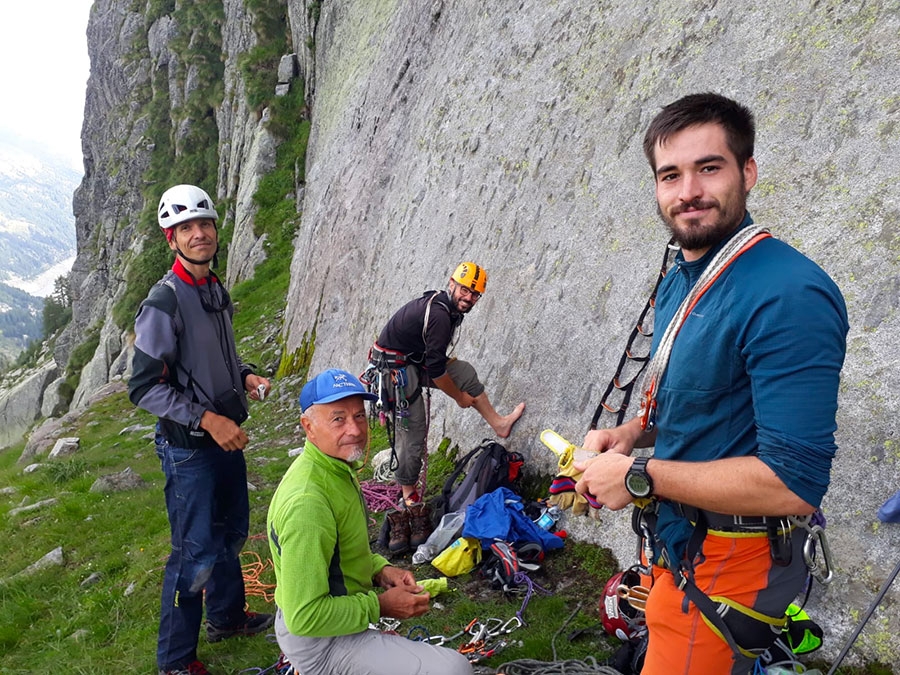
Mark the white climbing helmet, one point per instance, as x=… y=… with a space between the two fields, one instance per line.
x=184 y=202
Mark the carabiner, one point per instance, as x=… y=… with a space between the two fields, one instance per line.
x=506 y=628
x=820 y=569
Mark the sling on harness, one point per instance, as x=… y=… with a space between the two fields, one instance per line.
x=742 y=242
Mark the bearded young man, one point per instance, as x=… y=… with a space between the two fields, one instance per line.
x=741 y=411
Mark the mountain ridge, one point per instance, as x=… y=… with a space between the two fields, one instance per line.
x=37 y=235
x=37 y=224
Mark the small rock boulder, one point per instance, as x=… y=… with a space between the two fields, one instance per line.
x=118 y=482
x=65 y=446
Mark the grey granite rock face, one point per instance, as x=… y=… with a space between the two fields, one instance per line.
x=20 y=405
x=511 y=135
x=96 y=373
x=116 y=152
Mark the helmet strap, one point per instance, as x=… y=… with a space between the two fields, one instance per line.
x=211 y=262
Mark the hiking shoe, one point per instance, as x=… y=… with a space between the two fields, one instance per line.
x=193 y=668
x=420 y=526
x=253 y=623
x=399 y=540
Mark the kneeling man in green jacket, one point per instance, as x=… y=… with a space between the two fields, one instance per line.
x=325 y=570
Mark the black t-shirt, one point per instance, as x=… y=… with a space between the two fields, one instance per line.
x=403 y=332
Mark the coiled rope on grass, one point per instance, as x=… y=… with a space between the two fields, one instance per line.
x=569 y=667
x=252 y=571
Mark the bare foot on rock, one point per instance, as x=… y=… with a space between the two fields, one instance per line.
x=504 y=427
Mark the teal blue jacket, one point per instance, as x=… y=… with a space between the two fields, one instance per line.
x=756 y=366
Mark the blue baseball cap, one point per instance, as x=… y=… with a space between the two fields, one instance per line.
x=330 y=386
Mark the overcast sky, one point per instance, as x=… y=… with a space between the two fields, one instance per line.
x=44 y=71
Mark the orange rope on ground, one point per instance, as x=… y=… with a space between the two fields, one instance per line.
x=252 y=571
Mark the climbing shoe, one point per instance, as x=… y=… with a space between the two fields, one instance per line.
x=193 y=668
x=253 y=623
x=420 y=526
x=399 y=539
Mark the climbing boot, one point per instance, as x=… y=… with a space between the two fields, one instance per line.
x=420 y=526
x=399 y=540
x=252 y=624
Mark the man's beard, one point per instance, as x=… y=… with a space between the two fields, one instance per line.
x=356 y=454
x=695 y=237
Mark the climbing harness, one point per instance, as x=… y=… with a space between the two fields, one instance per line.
x=742 y=242
x=387 y=377
x=722 y=615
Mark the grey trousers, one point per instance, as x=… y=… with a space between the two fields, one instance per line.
x=410 y=442
x=370 y=652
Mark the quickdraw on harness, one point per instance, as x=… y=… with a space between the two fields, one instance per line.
x=386 y=376
x=630 y=361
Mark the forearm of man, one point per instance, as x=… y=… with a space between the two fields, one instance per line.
x=738 y=485
x=642 y=439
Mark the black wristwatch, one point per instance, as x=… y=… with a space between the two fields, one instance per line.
x=637 y=480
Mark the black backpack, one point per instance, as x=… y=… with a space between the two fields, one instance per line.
x=484 y=469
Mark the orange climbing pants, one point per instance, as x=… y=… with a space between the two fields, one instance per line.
x=737 y=566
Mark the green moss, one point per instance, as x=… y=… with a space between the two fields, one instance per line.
x=298 y=361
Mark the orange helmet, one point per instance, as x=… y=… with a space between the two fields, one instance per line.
x=471 y=276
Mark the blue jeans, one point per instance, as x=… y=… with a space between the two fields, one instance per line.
x=209 y=515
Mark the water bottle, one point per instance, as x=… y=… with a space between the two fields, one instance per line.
x=549 y=517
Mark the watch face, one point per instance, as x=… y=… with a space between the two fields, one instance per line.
x=637 y=484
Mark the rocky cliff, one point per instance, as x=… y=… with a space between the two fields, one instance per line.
x=510 y=134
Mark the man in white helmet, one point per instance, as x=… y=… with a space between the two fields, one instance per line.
x=187 y=372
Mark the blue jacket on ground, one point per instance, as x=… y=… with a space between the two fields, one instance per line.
x=500 y=515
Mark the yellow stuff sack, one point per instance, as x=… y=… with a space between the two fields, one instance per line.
x=459 y=557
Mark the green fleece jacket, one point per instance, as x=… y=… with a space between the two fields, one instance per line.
x=319 y=541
